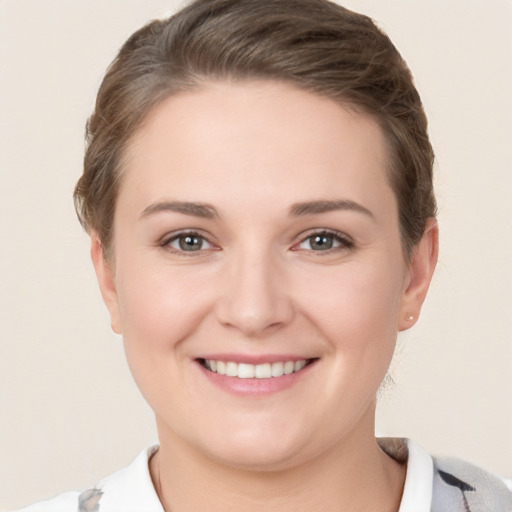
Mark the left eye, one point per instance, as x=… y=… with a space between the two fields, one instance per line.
x=323 y=242
x=188 y=242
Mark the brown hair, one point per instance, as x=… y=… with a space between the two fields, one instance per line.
x=315 y=45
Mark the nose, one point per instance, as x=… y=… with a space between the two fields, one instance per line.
x=255 y=297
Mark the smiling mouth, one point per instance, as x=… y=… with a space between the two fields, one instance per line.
x=255 y=371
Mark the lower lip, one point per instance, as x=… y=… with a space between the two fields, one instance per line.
x=255 y=387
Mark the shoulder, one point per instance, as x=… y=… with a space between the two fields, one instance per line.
x=445 y=484
x=67 y=502
x=129 y=489
x=460 y=485
x=73 y=501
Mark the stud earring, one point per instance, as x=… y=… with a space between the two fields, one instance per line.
x=409 y=318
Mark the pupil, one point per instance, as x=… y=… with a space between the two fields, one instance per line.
x=322 y=242
x=190 y=243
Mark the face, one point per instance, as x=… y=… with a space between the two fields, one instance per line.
x=258 y=277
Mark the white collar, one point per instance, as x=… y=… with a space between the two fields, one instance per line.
x=419 y=479
x=131 y=488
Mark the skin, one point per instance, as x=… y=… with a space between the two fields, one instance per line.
x=258 y=287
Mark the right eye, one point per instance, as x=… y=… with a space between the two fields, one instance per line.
x=188 y=242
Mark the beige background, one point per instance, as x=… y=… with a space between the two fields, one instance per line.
x=69 y=410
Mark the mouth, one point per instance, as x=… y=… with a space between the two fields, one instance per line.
x=255 y=371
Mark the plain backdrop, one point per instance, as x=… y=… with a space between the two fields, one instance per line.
x=69 y=411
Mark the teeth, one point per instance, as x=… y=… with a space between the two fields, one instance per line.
x=298 y=365
x=263 y=371
x=251 y=371
x=246 y=371
x=231 y=369
x=289 y=366
x=277 y=369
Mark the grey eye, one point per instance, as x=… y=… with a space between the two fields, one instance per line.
x=189 y=242
x=321 y=242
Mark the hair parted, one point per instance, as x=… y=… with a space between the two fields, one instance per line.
x=315 y=45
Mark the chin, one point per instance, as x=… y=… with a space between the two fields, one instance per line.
x=257 y=448
x=270 y=456
x=258 y=458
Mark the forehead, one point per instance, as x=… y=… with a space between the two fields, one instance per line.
x=256 y=140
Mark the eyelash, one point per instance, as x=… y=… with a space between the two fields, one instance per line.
x=166 y=243
x=342 y=241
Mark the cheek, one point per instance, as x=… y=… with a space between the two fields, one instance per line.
x=357 y=310
x=357 y=307
x=159 y=306
x=159 y=310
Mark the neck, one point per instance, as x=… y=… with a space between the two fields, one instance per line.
x=353 y=475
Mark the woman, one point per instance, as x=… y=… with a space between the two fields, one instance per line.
x=258 y=190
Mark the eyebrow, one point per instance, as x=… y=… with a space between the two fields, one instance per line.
x=202 y=210
x=207 y=211
x=324 y=206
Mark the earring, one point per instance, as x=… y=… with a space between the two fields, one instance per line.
x=409 y=318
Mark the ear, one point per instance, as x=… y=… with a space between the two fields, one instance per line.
x=106 y=280
x=421 y=268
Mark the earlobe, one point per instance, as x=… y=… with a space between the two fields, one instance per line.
x=421 y=268
x=106 y=281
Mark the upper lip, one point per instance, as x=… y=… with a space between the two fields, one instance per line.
x=254 y=359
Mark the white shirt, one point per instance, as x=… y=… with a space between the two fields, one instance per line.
x=419 y=479
x=131 y=488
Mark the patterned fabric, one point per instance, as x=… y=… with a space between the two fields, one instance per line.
x=451 y=493
x=462 y=487
x=89 y=500
x=449 y=485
